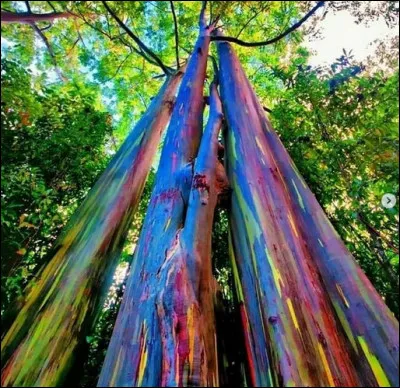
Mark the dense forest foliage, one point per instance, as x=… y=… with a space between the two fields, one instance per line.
x=72 y=88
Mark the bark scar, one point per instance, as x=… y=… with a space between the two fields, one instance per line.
x=200 y=182
x=224 y=189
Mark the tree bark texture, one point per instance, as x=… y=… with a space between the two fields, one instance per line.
x=60 y=306
x=311 y=317
x=165 y=330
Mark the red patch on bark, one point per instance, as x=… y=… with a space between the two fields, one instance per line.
x=167 y=195
x=200 y=182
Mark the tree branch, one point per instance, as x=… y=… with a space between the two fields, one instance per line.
x=186 y=50
x=44 y=39
x=82 y=17
x=142 y=46
x=27 y=17
x=119 y=37
x=119 y=67
x=375 y=232
x=49 y=49
x=273 y=40
x=176 y=34
x=46 y=27
x=28 y=7
x=73 y=46
x=251 y=19
x=202 y=18
x=51 y=6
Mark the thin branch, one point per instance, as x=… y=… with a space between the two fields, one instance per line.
x=46 y=27
x=73 y=46
x=159 y=76
x=257 y=70
x=375 y=232
x=44 y=39
x=155 y=5
x=112 y=38
x=273 y=40
x=51 y=6
x=215 y=22
x=82 y=17
x=119 y=67
x=187 y=51
x=251 y=19
x=139 y=51
x=28 y=7
x=80 y=37
x=145 y=56
x=176 y=34
x=384 y=266
x=144 y=48
x=49 y=49
x=143 y=100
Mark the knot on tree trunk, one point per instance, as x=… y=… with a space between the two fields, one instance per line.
x=170 y=103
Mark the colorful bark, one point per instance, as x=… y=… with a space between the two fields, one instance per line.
x=41 y=345
x=310 y=315
x=164 y=334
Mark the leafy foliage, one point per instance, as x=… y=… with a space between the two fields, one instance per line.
x=53 y=146
x=342 y=131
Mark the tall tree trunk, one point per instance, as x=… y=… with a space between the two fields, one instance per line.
x=311 y=316
x=164 y=334
x=41 y=345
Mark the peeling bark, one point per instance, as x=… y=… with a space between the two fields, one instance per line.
x=165 y=334
x=310 y=315
x=41 y=345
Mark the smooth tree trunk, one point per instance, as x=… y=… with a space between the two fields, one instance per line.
x=41 y=345
x=310 y=315
x=165 y=330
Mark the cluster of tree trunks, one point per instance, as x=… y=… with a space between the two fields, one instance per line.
x=310 y=317
x=164 y=334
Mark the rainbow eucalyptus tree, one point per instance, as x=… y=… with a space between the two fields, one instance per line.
x=164 y=334
x=41 y=345
x=310 y=315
